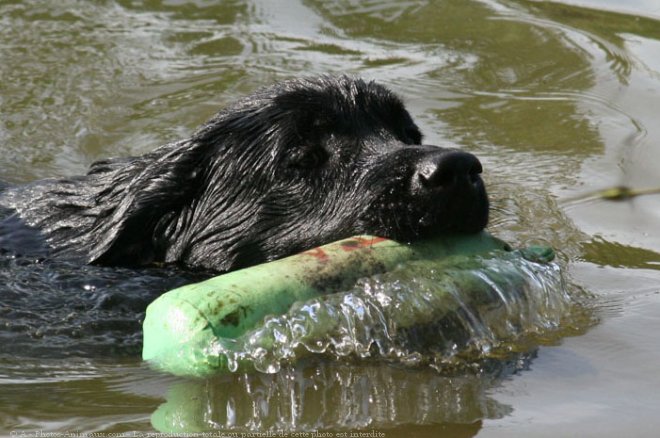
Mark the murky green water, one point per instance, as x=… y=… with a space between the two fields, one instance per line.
x=556 y=99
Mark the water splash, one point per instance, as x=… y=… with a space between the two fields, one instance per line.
x=439 y=314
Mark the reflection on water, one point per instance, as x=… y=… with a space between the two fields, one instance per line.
x=556 y=100
x=333 y=396
x=77 y=395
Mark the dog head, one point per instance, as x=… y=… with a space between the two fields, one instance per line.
x=310 y=161
x=293 y=166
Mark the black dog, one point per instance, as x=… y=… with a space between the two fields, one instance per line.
x=300 y=164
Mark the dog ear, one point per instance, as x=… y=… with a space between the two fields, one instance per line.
x=139 y=196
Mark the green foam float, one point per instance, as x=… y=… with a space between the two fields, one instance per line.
x=197 y=329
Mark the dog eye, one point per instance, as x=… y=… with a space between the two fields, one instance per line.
x=311 y=158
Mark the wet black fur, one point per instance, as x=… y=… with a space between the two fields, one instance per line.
x=296 y=165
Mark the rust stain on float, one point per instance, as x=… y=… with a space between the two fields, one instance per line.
x=346 y=245
x=360 y=242
x=318 y=253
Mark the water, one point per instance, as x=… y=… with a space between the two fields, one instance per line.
x=558 y=100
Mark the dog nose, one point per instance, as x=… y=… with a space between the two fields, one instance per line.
x=448 y=169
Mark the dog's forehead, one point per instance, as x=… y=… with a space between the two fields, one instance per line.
x=309 y=108
x=339 y=95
